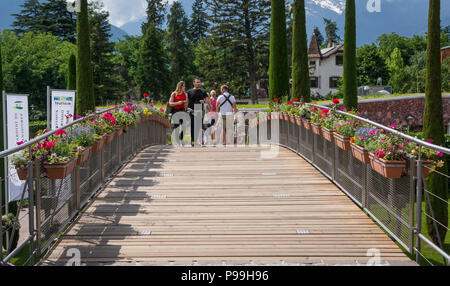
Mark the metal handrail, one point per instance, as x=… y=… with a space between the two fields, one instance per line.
x=393 y=131
x=13 y=150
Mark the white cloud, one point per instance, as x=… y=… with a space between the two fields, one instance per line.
x=125 y=11
x=337 y=6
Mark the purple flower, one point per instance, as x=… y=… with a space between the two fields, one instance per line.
x=441 y=154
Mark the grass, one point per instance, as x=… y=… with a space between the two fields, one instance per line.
x=23 y=257
x=434 y=257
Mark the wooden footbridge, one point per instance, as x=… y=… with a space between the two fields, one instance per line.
x=222 y=206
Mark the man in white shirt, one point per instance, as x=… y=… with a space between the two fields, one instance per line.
x=226 y=105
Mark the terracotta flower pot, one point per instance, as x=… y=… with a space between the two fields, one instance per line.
x=389 y=169
x=306 y=123
x=98 y=145
x=316 y=127
x=22 y=173
x=328 y=134
x=59 y=170
x=342 y=142
x=292 y=119
x=109 y=137
x=119 y=131
x=360 y=153
x=83 y=156
x=298 y=121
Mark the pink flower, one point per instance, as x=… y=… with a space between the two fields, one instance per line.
x=20 y=143
x=429 y=141
x=372 y=132
x=61 y=132
x=116 y=107
x=441 y=154
x=362 y=137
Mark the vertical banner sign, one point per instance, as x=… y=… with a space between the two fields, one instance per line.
x=63 y=107
x=17 y=131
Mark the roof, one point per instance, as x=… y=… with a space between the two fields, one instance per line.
x=314 y=50
x=444 y=48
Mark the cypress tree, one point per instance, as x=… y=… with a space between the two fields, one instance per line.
x=278 y=62
x=85 y=88
x=300 y=71
x=350 y=80
x=72 y=73
x=433 y=123
x=2 y=142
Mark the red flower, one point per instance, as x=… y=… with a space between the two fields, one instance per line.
x=61 y=132
x=275 y=99
x=20 y=143
x=296 y=100
x=290 y=102
x=336 y=101
x=145 y=95
x=161 y=109
x=127 y=109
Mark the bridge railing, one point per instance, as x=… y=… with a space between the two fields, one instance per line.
x=53 y=203
x=393 y=203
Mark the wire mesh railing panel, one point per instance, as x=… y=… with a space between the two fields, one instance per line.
x=57 y=207
x=350 y=174
x=323 y=154
x=389 y=201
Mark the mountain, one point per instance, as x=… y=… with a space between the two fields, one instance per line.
x=117 y=33
x=405 y=17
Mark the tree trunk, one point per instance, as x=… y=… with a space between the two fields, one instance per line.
x=433 y=124
x=250 y=56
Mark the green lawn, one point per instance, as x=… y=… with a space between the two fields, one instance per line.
x=434 y=257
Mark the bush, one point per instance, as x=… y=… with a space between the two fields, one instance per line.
x=36 y=126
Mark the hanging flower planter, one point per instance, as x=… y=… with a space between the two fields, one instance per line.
x=360 y=153
x=59 y=170
x=98 y=145
x=328 y=134
x=109 y=137
x=316 y=127
x=306 y=123
x=342 y=142
x=22 y=173
x=292 y=119
x=83 y=156
x=119 y=131
x=298 y=121
x=389 y=169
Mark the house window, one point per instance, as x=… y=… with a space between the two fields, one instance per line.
x=312 y=63
x=339 y=60
x=314 y=82
x=334 y=81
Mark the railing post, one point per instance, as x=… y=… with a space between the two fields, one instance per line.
x=102 y=162
x=411 y=204
x=364 y=193
x=1 y=224
x=78 y=187
x=31 y=208
x=419 y=205
x=38 y=206
x=333 y=162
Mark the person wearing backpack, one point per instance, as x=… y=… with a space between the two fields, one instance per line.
x=226 y=105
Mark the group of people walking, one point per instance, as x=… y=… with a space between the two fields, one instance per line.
x=217 y=108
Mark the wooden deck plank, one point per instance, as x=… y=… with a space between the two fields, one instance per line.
x=217 y=205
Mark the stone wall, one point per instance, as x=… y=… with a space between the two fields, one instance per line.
x=389 y=111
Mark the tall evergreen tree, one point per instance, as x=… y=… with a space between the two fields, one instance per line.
x=152 y=72
x=106 y=88
x=155 y=14
x=300 y=71
x=198 y=26
x=331 y=30
x=72 y=73
x=57 y=20
x=350 y=80
x=2 y=142
x=180 y=55
x=433 y=124
x=319 y=36
x=85 y=100
x=29 y=19
x=278 y=67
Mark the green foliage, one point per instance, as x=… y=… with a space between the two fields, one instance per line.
x=433 y=121
x=350 y=83
x=7 y=224
x=300 y=71
x=331 y=30
x=278 y=67
x=33 y=62
x=180 y=54
x=155 y=15
x=370 y=65
x=72 y=73
x=319 y=37
x=152 y=64
x=85 y=100
x=51 y=17
x=198 y=26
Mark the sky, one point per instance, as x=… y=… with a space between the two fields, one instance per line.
x=122 y=12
